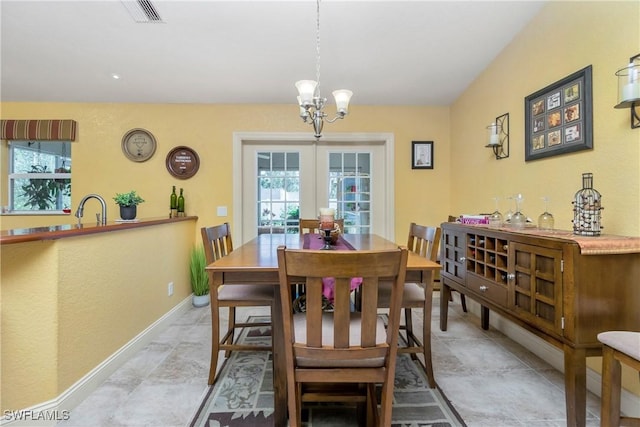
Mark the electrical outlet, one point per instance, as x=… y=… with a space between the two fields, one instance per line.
x=170 y=289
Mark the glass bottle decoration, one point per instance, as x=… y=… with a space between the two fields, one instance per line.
x=181 y=204
x=173 y=203
x=586 y=208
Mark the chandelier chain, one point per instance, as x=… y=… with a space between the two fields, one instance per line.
x=310 y=101
x=318 y=44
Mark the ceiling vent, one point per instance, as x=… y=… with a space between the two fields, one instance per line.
x=142 y=10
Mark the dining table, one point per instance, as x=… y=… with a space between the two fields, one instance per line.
x=256 y=262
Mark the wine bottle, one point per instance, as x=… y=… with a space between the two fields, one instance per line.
x=174 y=203
x=181 y=204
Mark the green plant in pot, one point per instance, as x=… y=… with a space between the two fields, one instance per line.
x=41 y=193
x=199 y=277
x=128 y=204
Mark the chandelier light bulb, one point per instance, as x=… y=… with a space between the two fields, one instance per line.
x=342 y=97
x=306 y=90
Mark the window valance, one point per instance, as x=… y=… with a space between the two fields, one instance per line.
x=57 y=130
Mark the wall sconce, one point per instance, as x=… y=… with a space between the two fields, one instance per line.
x=499 y=136
x=629 y=89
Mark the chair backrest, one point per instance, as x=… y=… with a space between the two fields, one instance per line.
x=425 y=241
x=311 y=225
x=216 y=241
x=357 y=338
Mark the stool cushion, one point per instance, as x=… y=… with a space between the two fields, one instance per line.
x=300 y=326
x=412 y=295
x=623 y=341
x=246 y=292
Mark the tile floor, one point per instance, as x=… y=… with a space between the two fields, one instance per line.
x=491 y=380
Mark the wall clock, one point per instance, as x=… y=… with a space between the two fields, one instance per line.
x=138 y=145
x=183 y=162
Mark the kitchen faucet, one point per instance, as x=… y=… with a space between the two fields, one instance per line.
x=80 y=210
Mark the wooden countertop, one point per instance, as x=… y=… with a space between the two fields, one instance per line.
x=21 y=235
x=596 y=245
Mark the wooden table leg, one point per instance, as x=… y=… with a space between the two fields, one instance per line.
x=575 y=385
x=279 y=364
x=427 y=278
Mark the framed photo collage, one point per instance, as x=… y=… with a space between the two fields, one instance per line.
x=558 y=118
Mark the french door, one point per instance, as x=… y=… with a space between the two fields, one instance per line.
x=284 y=182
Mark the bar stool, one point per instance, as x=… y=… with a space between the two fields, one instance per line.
x=619 y=346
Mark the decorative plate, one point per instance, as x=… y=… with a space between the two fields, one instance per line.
x=183 y=162
x=138 y=145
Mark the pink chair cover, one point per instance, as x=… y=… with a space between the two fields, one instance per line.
x=315 y=241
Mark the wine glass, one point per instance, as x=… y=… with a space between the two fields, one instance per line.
x=495 y=219
x=518 y=220
x=509 y=213
x=545 y=220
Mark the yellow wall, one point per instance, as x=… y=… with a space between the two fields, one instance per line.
x=68 y=304
x=29 y=344
x=565 y=37
x=100 y=167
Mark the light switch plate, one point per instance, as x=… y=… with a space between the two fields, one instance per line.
x=222 y=211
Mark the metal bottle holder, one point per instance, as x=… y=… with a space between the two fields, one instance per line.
x=586 y=209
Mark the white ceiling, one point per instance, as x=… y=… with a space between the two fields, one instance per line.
x=386 y=52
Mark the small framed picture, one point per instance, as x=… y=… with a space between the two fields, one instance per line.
x=422 y=155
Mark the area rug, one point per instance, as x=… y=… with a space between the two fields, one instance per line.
x=243 y=395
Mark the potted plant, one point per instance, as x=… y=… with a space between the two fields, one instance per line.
x=42 y=193
x=128 y=204
x=199 y=277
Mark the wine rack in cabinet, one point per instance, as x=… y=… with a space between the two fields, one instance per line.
x=562 y=288
x=486 y=261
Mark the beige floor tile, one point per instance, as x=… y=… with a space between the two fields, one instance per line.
x=491 y=380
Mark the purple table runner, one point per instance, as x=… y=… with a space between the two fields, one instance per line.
x=316 y=241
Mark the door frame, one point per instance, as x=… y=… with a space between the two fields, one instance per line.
x=280 y=138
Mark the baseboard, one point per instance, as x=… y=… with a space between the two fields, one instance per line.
x=629 y=402
x=51 y=412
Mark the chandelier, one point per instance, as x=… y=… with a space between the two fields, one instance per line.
x=309 y=99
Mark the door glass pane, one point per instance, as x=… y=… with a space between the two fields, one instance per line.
x=349 y=190
x=278 y=192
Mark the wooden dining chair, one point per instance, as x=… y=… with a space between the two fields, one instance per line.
x=424 y=241
x=341 y=355
x=217 y=244
x=311 y=225
x=618 y=346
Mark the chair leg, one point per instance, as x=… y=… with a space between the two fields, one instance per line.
x=215 y=339
x=386 y=401
x=611 y=383
x=463 y=301
x=231 y=329
x=373 y=418
x=408 y=322
x=426 y=350
x=294 y=403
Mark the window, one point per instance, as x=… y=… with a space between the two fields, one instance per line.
x=39 y=176
x=350 y=189
x=278 y=192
